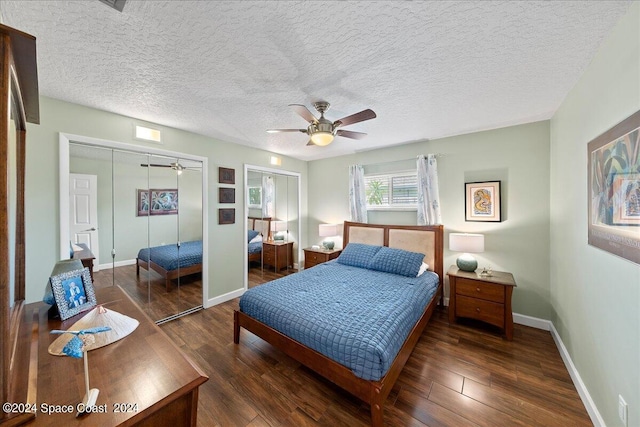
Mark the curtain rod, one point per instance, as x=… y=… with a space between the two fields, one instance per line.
x=438 y=155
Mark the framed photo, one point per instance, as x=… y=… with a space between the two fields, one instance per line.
x=161 y=202
x=613 y=173
x=73 y=292
x=254 y=198
x=482 y=201
x=226 y=195
x=227 y=216
x=226 y=176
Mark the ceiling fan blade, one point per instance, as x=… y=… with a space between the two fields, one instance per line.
x=356 y=118
x=351 y=134
x=144 y=165
x=286 y=130
x=304 y=112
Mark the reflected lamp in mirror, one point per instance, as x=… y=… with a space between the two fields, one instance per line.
x=277 y=228
x=328 y=231
x=468 y=244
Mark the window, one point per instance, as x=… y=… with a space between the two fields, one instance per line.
x=397 y=190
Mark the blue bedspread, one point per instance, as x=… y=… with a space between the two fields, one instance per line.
x=170 y=257
x=255 y=247
x=358 y=317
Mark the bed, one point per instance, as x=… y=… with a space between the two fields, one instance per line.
x=263 y=227
x=365 y=378
x=171 y=261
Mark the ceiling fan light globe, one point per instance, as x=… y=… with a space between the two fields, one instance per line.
x=322 y=138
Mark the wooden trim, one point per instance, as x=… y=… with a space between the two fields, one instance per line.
x=372 y=392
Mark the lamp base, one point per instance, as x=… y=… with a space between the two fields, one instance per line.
x=328 y=244
x=466 y=262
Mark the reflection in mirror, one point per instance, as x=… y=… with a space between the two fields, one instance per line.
x=146 y=205
x=12 y=199
x=273 y=225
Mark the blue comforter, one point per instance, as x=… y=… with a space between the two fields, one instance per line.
x=358 y=317
x=170 y=257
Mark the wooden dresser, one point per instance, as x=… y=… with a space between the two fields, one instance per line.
x=318 y=256
x=145 y=375
x=277 y=254
x=485 y=298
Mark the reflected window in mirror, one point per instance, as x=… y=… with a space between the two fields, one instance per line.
x=254 y=198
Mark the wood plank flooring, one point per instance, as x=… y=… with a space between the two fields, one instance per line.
x=462 y=374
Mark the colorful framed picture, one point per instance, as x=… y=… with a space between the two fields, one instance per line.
x=613 y=173
x=161 y=202
x=226 y=175
x=227 y=216
x=482 y=201
x=226 y=195
x=73 y=292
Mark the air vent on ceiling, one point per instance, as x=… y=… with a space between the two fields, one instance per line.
x=116 y=4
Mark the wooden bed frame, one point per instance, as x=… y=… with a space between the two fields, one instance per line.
x=168 y=275
x=258 y=224
x=372 y=392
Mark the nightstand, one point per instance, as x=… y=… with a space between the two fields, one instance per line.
x=277 y=254
x=318 y=256
x=485 y=298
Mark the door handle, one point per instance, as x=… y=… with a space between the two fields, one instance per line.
x=90 y=229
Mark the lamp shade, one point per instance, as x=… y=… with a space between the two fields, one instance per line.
x=278 y=225
x=327 y=230
x=465 y=242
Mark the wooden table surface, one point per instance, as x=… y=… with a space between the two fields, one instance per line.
x=144 y=376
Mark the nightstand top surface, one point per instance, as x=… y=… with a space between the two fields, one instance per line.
x=499 y=277
x=276 y=242
x=323 y=251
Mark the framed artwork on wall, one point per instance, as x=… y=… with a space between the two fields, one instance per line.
x=613 y=173
x=226 y=195
x=482 y=201
x=227 y=216
x=161 y=202
x=226 y=175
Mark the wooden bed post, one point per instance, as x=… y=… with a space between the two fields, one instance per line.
x=236 y=328
x=377 y=418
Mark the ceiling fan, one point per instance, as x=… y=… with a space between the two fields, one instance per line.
x=175 y=166
x=322 y=131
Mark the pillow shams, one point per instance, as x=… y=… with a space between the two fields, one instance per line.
x=358 y=255
x=256 y=239
x=397 y=261
x=424 y=267
x=251 y=234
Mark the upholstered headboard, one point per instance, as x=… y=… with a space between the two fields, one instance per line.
x=263 y=225
x=426 y=239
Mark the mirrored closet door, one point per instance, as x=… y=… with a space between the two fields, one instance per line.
x=272 y=223
x=147 y=236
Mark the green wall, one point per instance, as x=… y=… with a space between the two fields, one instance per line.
x=518 y=156
x=227 y=259
x=595 y=296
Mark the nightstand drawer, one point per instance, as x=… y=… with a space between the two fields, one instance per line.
x=477 y=289
x=486 y=311
x=268 y=257
x=315 y=258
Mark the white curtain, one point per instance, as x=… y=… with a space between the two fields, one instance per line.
x=428 y=194
x=357 y=196
x=267 y=196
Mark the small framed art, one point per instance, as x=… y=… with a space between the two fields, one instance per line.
x=227 y=216
x=226 y=175
x=482 y=201
x=161 y=202
x=73 y=292
x=226 y=195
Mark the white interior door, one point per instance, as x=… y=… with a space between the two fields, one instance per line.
x=83 y=212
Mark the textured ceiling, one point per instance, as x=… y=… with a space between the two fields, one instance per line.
x=228 y=69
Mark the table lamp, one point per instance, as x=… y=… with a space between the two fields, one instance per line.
x=328 y=230
x=278 y=227
x=467 y=243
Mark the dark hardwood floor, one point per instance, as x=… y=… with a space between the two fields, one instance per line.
x=149 y=290
x=462 y=374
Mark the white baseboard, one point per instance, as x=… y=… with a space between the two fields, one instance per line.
x=589 y=404
x=116 y=264
x=534 y=322
x=225 y=297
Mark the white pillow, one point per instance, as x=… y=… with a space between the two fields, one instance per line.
x=256 y=239
x=424 y=267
